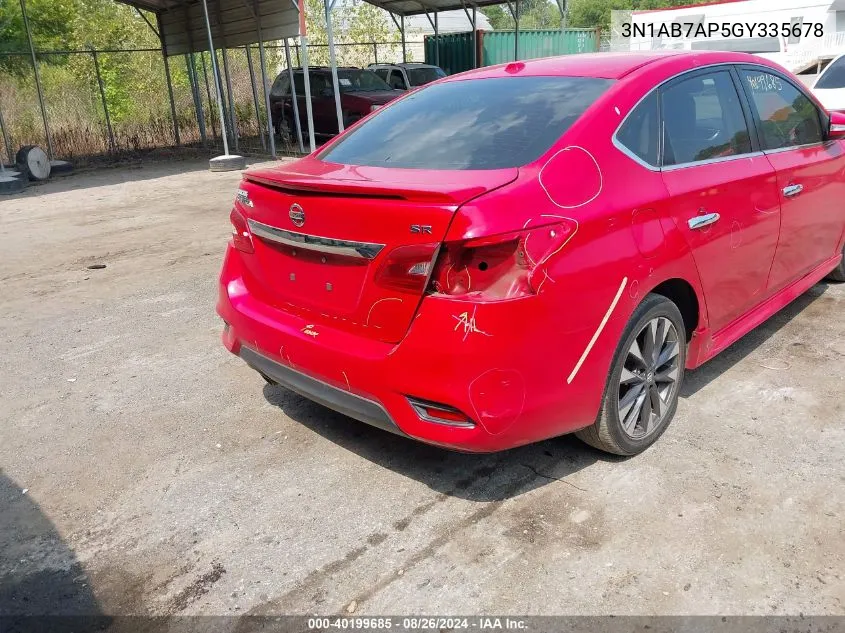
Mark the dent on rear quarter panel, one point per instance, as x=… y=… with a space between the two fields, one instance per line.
x=627 y=243
x=550 y=331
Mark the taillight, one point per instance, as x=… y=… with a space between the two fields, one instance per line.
x=501 y=266
x=407 y=268
x=241 y=238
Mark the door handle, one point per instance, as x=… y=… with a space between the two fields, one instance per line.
x=700 y=221
x=792 y=190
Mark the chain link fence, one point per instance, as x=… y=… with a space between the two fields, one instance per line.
x=106 y=102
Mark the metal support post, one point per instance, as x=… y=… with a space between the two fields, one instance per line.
x=216 y=78
x=294 y=99
x=329 y=4
x=230 y=99
x=103 y=99
x=37 y=81
x=255 y=97
x=195 y=93
x=160 y=33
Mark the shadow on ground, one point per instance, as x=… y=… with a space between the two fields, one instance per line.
x=699 y=378
x=476 y=477
x=127 y=171
x=498 y=476
x=39 y=573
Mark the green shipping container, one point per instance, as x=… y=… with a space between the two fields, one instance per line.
x=455 y=52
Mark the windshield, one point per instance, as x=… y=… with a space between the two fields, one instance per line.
x=834 y=75
x=470 y=124
x=421 y=76
x=360 y=81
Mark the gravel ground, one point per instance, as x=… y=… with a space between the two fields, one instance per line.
x=144 y=470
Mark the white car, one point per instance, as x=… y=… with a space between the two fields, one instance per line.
x=407 y=75
x=830 y=86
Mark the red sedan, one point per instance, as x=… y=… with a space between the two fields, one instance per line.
x=538 y=248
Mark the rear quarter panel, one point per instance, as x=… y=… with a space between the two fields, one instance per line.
x=563 y=339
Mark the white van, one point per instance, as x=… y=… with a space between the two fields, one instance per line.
x=830 y=86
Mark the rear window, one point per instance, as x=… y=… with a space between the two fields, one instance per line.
x=360 y=81
x=281 y=86
x=472 y=124
x=422 y=76
x=833 y=76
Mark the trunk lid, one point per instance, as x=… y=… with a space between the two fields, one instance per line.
x=323 y=231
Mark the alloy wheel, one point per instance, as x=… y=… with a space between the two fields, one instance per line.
x=649 y=383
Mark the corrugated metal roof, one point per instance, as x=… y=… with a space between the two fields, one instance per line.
x=149 y=5
x=416 y=7
x=233 y=22
x=447 y=22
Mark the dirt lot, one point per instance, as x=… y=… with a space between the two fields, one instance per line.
x=143 y=469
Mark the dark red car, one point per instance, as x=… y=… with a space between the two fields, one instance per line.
x=539 y=248
x=361 y=92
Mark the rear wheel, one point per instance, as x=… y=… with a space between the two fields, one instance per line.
x=641 y=395
x=838 y=273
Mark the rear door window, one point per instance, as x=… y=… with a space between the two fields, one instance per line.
x=785 y=115
x=299 y=84
x=471 y=124
x=424 y=75
x=319 y=83
x=396 y=80
x=703 y=120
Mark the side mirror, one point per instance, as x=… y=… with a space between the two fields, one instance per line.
x=837 y=126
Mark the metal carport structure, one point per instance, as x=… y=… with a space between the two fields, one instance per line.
x=238 y=22
x=194 y=26
x=398 y=9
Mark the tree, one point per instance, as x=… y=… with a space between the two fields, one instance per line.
x=51 y=24
x=533 y=14
x=353 y=22
x=593 y=13
x=499 y=17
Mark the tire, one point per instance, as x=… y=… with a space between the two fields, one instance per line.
x=231 y=162
x=10 y=184
x=615 y=433
x=838 y=273
x=33 y=162
x=60 y=167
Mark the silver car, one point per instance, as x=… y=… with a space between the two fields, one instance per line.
x=407 y=75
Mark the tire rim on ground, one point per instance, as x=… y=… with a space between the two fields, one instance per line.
x=34 y=162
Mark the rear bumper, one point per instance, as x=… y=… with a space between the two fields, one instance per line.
x=509 y=381
x=320 y=392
